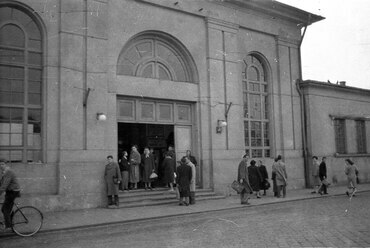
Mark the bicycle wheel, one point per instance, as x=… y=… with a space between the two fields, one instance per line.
x=26 y=221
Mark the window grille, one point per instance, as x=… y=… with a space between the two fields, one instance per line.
x=256 y=104
x=20 y=87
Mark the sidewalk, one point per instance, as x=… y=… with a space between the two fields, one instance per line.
x=54 y=221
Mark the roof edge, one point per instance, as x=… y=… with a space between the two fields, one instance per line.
x=278 y=9
x=309 y=82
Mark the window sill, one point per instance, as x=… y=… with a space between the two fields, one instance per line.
x=347 y=155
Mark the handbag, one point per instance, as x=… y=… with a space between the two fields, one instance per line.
x=238 y=187
x=266 y=185
x=153 y=175
x=115 y=180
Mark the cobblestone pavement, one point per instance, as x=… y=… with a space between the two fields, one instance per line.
x=324 y=222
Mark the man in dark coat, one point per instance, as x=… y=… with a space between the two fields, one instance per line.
x=264 y=175
x=184 y=176
x=323 y=176
x=112 y=176
x=255 y=178
x=243 y=178
x=169 y=167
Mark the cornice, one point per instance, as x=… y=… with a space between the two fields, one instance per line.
x=222 y=25
x=283 y=41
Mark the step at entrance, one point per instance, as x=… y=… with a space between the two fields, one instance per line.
x=159 y=196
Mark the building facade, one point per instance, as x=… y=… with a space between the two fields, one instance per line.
x=84 y=79
x=337 y=126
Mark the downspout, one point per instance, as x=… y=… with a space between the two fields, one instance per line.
x=59 y=102
x=303 y=116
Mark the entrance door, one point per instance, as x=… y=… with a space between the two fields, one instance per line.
x=183 y=140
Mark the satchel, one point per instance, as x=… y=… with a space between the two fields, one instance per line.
x=153 y=175
x=238 y=187
x=325 y=182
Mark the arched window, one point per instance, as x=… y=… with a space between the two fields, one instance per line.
x=156 y=55
x=20 y=86
x=256 y=115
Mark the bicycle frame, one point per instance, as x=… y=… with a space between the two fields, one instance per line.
x=15 y=208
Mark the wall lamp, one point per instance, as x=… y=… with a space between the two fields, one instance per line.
x=101 y=117
x=220 y=125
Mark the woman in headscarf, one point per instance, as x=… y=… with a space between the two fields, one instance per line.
x=255 y=178
x=148 y=167
x=351 y=171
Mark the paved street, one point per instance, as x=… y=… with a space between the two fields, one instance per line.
x=320 y=222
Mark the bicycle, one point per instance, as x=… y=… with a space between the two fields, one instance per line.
x=26 y=220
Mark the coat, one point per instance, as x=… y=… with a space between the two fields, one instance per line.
x=243 y=174
x=123 y=165
x=264 y=175
x=322 y=171
x=280 y=173
x=183 y=179
x=135 y=160
x=255 y=178
x=193 y=177
x=263 y=172
x=351 y=171
x=169 y=167
x=148 y=166
x=315 y=168
x=111 y=171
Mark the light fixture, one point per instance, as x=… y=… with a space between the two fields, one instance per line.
x=220 y=125
x=101 y=117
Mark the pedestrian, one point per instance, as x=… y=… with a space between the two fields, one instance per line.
x=265 y=185
x=315 y=174
x=351 y=170
x=273 y=177
x=192 y=181
x=155 y=157
x=135 y=160
x=255 y=178
x=124 y=168
x=169 y=167
x=323 y=177
x=171 y=151
x=112 y=176
x=148 y=167
x=183 y=180
x=243 y=178
x=191 y=157
x=8 y=184
x=281 y=176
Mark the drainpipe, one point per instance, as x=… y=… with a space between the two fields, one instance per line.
x=306 y=161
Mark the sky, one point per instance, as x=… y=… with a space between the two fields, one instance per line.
x=338 y=47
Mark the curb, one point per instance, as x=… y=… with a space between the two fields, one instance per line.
x=66 y=229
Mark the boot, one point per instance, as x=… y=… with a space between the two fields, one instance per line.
x=116 y=201
x=192 y=198
x=109 y=201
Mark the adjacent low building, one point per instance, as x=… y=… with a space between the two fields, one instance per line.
x=337 y=126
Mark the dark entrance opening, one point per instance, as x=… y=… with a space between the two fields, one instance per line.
x=154 y=136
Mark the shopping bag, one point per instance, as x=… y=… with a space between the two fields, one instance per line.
x=153 y=175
